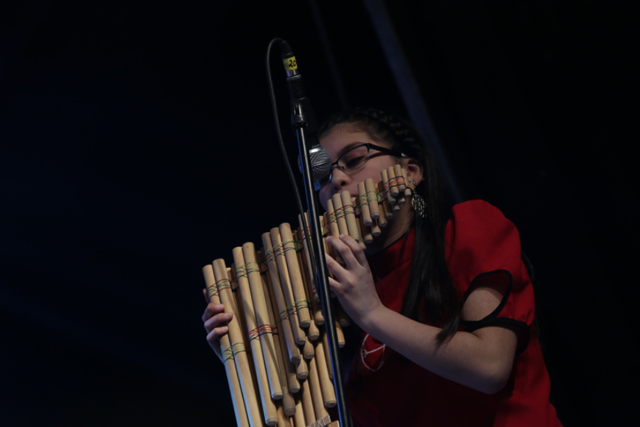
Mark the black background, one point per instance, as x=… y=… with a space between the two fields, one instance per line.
x=137 y=144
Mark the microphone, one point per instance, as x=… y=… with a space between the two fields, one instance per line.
x=302 y=115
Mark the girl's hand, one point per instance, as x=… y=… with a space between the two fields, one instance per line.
x=215 y=323
x=353 y=283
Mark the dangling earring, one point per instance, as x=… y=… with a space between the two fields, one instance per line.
x=418 y=202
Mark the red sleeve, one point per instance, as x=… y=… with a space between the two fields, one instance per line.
x=480 y=241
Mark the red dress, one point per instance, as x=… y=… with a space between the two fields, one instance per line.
x=390 y=390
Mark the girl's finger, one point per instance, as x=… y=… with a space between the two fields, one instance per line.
x=355 y=248
x=211 y=310
x=217 y=333
x=213 y=338
x=335 y=286
x=218 y=320
x=345 y=251
x=335 y=268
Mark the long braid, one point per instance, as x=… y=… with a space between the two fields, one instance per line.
x=430 y=295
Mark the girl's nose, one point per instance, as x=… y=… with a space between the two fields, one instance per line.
x=339 y=179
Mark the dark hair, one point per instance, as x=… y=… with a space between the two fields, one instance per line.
x=430 y=294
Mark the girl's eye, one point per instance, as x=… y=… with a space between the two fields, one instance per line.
x=353 y=162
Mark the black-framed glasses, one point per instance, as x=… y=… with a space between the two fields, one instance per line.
x=352 y=160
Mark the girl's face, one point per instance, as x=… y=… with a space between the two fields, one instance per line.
x=339 y=140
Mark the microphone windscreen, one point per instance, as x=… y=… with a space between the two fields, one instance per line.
x=320 y=163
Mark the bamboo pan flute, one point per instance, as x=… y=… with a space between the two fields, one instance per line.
x=276 y=352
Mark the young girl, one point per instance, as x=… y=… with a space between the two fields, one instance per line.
x=442 y=299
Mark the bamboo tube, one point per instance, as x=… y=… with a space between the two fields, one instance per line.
x=375 y=229
x=358 y=222
x=339 y=225
x=249 y=392
x=316 y=390
x=332 y=218
x=327 y=355
x=372 y=197
x=306 y=399
x=366 y=232
x=292 y=349
x=306 y=242
x=268 y=407
x=289 y=370
x=339 y=334
x=385 y=188
x=283 y=419
x=385 y=209
x=408 y=192
x=287 y=288
x=302 y=304
x=289 y=367
x=328 y=392
x=402 y=184
x=331 y=229
x=237 y=299
x=329 y=250
x=298 y=417
x=340 y=214
x=307 y=350
x=302 y=369
x=316 y=309
x=233 y=284
x=288 y=403
x=393 y=181
x=313 y=333
x=237 y=307
x=324 y=224
x=324 y=221
x=350 y=215
x=395 y=188
x=264 y=327
x=364 y=205
x=228 y=358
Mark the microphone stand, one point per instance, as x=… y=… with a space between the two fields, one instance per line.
x=302 y=121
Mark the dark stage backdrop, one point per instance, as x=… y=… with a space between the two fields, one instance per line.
x=137 y=144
